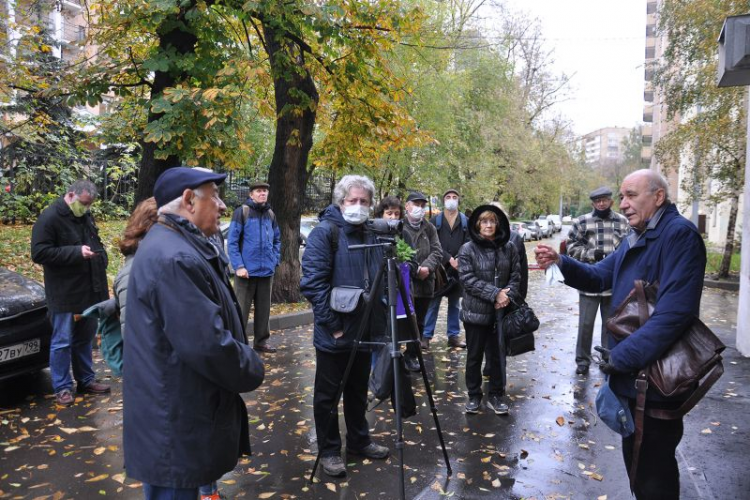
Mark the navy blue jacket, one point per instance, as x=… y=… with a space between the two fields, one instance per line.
x=256 y=245
x=323 y=270
x=671 y=251
x=186 y=362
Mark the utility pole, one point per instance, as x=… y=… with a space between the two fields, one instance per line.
x=743 y=311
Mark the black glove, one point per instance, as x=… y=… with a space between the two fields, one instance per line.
x=603 y=362
x=599 y=255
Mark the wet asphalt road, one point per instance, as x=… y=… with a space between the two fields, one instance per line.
x=550 y=446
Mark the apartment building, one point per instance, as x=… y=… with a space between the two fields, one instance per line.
x=604 y=146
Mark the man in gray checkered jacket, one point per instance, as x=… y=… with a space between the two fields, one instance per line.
x=593 y=237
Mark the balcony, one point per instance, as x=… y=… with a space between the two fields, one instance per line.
x=647 y=130
x=72 y=33
x=72 y=6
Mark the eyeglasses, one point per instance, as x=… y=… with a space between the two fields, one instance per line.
x=597 y=201
x=488 y=222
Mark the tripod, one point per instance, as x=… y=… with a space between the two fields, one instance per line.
x=395 y=287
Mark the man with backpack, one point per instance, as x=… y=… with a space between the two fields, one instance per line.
x=452 y=231
x=254 y=245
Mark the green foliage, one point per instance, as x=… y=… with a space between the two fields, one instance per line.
x=404 y=252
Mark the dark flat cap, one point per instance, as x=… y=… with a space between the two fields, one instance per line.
x=416 y=196
x=451 y=190
x=600 y=193
x=259 y=185
x=173 y=182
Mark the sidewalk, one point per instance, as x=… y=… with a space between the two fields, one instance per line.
x=550 y=446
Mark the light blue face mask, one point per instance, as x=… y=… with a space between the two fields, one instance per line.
x=356 y=214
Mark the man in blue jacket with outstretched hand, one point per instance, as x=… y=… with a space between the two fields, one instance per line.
x=662 y=247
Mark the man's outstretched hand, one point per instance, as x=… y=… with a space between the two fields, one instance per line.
x=546 y=256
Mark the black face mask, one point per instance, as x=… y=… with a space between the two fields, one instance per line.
x=603 y=214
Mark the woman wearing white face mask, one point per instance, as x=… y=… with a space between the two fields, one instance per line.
x=424 y=240
x=328 y=263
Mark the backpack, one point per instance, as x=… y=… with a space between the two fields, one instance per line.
x=464 y=221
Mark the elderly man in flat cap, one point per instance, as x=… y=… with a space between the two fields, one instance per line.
x=594 y=236
x=254 y=246
x=186 y=359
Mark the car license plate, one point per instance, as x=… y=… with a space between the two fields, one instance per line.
x=16 y=351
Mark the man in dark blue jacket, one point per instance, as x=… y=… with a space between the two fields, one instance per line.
x=186 y=359
x=327 y=263
x=254 y=246
x=662 y=246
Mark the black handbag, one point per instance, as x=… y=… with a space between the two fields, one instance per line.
x=444 y=281
x=518 y=327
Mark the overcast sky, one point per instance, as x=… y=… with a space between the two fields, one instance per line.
x=601 y=43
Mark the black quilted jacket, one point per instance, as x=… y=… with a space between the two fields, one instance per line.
x=480 y=261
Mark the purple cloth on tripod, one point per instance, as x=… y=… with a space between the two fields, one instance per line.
x=406 y=279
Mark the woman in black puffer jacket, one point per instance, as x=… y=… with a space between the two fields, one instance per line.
x=489 y=270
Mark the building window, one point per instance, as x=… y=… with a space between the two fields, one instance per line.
x=648 y=96
x=651 y=8
x=648 y=74
x=647 y=140
x=650 y=52
x=650 y=30
x=648 y=116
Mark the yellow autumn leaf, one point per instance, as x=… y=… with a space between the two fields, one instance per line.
x=331 y=487
x=267 y=494
x=560 y=421
x=100 y=450
x=100 y=477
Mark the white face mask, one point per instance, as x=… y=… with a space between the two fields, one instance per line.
x=355 y=214
x=416 y=213
x=451 y=204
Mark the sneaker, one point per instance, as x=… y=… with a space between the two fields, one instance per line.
x=64 y=398
x=455 y=342
x=333 y=466
x=582 y=369
x=265 y=348
x=425 y=344
x=372 y=450
x=412 y=363
x=473 y=405
x=495 y=403
x=94 y=388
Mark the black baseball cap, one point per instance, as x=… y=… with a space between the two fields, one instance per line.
x=416 y=196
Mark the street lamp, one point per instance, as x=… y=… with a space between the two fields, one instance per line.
x=733 y=71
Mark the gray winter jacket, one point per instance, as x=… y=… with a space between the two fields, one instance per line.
x=485 y=267
x=429 y=254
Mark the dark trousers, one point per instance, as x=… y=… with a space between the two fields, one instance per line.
x=329 y=372
x=587 y=307
x=481 y=338
x=255 y=291
x=421 y=305
x=658 y=477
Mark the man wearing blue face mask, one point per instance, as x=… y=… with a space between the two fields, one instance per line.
x=65 y=241
x=425 y=241
x=327 y=264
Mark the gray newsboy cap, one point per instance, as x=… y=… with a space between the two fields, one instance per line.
x=600 y=192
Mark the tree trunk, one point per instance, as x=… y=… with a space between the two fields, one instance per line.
x=726 y=259
x=183 y=42
x=288 y=173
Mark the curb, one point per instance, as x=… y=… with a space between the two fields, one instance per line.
x=290 y=320
x=724 y=285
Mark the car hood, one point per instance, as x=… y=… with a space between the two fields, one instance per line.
x=18 y=294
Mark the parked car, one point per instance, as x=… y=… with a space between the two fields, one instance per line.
x=567 y=219
x=536 y=231
x=547 y=229
x=522 y=229
x=306 y=225
x=555 y=220
x=25 y=331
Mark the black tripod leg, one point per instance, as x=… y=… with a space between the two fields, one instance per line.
x=433 y=408
x=334 y=408
x=393 y=288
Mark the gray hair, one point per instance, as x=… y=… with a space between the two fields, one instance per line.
x=656 y=181
x=83 y=186
x=348 y=182
x=170 y=208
